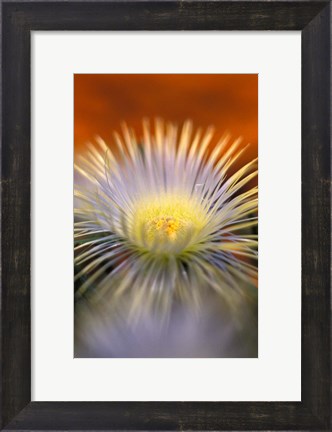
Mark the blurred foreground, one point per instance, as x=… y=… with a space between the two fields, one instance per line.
x=213 y=330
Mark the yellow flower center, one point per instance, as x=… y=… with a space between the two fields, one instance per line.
x=167 y=223
x=165 y=226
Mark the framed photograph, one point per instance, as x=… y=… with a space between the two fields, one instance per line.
x=165 y=215
x=165 y=291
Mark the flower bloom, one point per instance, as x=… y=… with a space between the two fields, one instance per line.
x=162 y=219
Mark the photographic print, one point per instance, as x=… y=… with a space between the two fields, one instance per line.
x=166 y=215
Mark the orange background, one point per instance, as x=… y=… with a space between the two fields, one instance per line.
x=227 y=102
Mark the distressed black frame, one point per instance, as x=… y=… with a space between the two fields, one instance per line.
x=313 y=18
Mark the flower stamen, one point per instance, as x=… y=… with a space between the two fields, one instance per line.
x=165 y=222
x=167 y=226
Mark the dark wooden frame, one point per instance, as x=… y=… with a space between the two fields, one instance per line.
x=18 y=19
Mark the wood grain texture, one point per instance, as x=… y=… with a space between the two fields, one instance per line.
x=165 y=15
x=15 y=221
x=18 y=19
x=169 y=416
x=316 y=214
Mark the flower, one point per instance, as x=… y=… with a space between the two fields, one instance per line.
x=161 y=219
